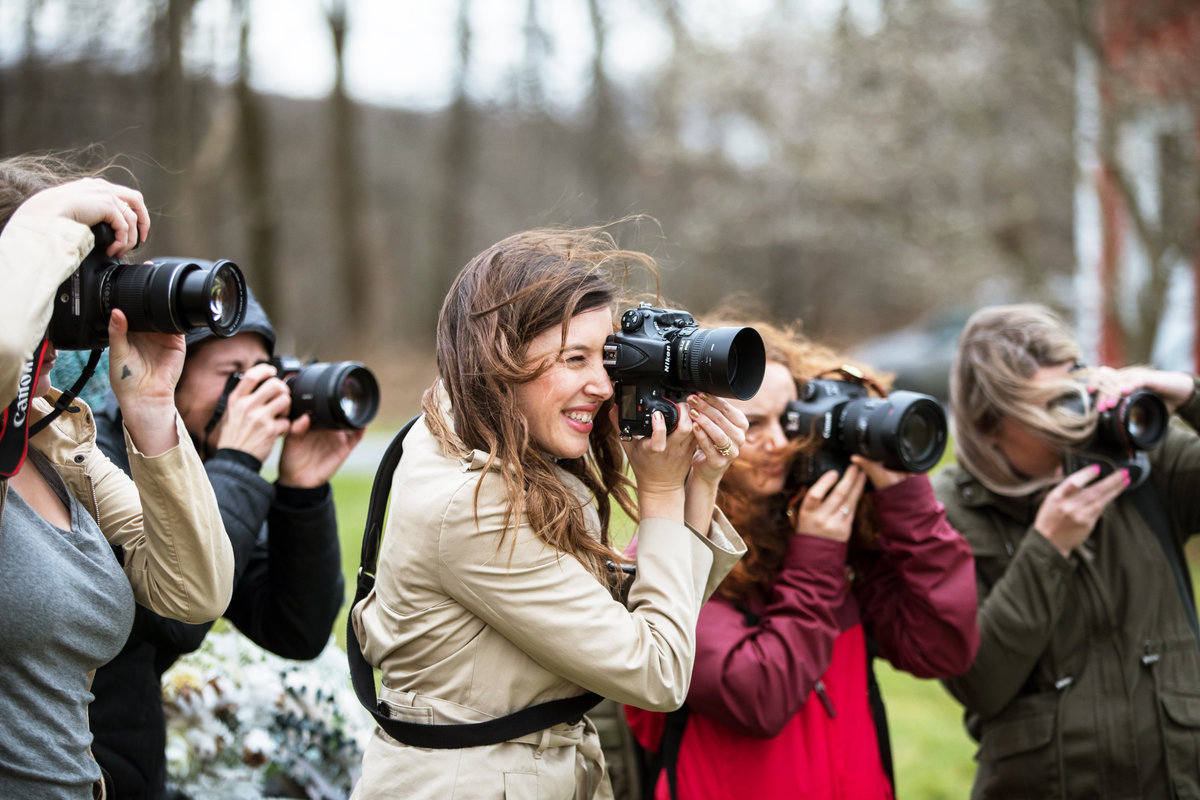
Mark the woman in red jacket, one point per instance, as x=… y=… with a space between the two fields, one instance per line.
x=779 y=704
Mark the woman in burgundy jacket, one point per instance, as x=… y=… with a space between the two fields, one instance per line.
x=779 y=705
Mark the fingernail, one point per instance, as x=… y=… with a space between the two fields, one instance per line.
x=1125 y=476
x=695 y=414
x=1095 y=469
x=691 y=398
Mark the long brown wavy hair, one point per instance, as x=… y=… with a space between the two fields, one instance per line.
x=508 y=294
x=764 y=525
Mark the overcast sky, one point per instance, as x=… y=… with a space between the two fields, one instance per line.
x=403 y=52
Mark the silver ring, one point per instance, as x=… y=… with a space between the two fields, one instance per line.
x=845 y=511
x=726 y=450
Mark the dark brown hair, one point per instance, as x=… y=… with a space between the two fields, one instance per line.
x=508 y=294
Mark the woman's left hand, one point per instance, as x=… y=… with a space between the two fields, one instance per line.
x=720 y=431
x=1175 y=388
x=880 y=476
x=143 y=369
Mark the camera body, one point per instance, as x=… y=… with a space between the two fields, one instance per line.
x=905 y=431
x=1124 y=434
x=341 y=395
x=168 y=295
x=660 y=356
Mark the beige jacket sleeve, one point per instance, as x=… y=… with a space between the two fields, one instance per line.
x=554 y=610
x=176 y=554
x=36 y=255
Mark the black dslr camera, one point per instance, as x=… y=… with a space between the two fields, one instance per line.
x=343 y=395
x=168 y=295
x=659 y=357
x=905 y=431
x=1123 y=435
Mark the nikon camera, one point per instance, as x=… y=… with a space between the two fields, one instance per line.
x=660 y=356
x=167 y=295
x=905 y=431
x=342 y=395
x=1123 y=435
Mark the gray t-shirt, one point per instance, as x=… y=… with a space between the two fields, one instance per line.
x=66 y=608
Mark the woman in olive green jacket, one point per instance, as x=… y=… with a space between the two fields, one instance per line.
x=1087 y=679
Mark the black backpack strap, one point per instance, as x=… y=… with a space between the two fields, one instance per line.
x=494 y=731
x=1150 y=507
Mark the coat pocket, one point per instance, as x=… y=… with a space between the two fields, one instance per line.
x=1181 y=739
x=520 y=786
x=1018 y=751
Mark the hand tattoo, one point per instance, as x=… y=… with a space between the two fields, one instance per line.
x=126 y=372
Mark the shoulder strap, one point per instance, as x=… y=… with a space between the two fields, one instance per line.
x=494 y=731
x=1150 y=507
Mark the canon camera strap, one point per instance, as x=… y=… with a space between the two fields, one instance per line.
x=14 y=421
x=439 y=737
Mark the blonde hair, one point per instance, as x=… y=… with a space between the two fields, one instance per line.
x=991 y=379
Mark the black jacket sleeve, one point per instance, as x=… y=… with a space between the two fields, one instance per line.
x=292 y=588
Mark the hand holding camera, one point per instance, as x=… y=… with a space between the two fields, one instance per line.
x=91 y=201
x=257 y=413
x=1071 y=509
x=826 y=509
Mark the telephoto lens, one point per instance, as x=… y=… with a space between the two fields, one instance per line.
x=167 y=295
x=905 y=431
x=342 y=394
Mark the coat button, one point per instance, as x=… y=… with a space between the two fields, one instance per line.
x=79 y=459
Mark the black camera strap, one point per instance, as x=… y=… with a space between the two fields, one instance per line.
x=66 y=398
x=1151 y=509
x=438 y=737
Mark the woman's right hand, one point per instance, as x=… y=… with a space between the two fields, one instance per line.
x=1070 y=511
x=93 y=200
x=661 y=461
x=827 y=510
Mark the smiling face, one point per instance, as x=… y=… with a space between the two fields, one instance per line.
x=766 y=449
x=559 y=404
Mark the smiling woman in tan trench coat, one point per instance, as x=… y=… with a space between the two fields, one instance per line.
x=493 y=593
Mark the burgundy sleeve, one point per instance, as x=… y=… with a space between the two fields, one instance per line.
x=918 y=595
x=753 y=678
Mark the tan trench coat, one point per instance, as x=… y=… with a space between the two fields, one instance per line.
x=466 y=629
x=177 y=556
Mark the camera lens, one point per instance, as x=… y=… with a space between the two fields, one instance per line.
x=921 y=436
x=173 y=295
x=728 y=362
x=1139 y=421
x=341 y=395
x=905 y=431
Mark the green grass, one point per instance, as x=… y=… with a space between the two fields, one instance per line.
x=932 y=752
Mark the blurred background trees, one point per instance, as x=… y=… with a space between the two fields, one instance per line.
x=896 y=161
